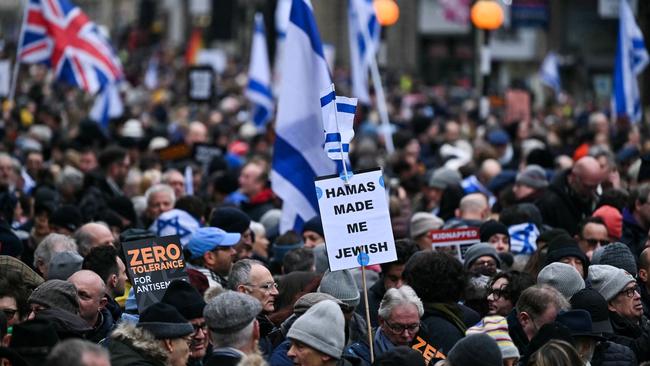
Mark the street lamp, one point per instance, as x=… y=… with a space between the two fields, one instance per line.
x=486 y=15
x=387 y=12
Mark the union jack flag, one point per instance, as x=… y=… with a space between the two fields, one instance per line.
x=58 y=34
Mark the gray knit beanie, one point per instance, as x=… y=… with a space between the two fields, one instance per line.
x=342 y=286
x=56 y=294
x=308 y=300
x=479 y=250
x=423 y=222
x=63 y=265
x=322 y=328
x=476 y=350
x=562 y=277
x=532 y=176
x=608 y=280
x=619 y=255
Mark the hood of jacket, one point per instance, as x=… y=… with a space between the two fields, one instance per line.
x=142 y=344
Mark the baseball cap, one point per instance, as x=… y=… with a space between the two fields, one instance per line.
x=206 y=239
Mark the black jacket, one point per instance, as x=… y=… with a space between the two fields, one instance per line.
x=561 y=208
x=634 y=236
x=635 y=336
x=516 y=332
x=443 y=330
x=375 y=294
x=613 y=354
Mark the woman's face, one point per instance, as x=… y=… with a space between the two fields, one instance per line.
x=498 y=302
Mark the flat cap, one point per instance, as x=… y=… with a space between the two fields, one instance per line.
x=231 y=311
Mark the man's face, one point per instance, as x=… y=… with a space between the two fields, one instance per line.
x=312 y=238
x=179 y=351
x=220 y=260
x=485 y=265
x=575 y=263
x=176 y=181
x=120 y=170
x=245 y=246
x=101 y=235
x=87 y=162
x=121 y=278
x=393 y=277
x=585 y=184
x=303 y=355
x=531 y=324
x=627 y=303
x=643 y=210
x=7 y=176
x=249 y=179
x=433 y=195
x=10 y=308
x=593 y=236
x=91 y=299
x=159 y=202
x=522 y=191
x=199 y=339
x=402 y=325
x=262 y=287
x=498 y=301
x=34 y=162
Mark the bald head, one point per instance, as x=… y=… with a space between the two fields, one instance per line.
x=196 y=133
x=490 y=168
x=92 y=234
x=91 y=291
x=586 y=175
x=474 y=206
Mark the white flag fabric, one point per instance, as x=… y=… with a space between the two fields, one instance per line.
x=550 y=72
x=151 y=75
x=298 y=156
x=338 y=123
x=108 y=104
x=631 y=59
x=259 y=76
x=361 y=13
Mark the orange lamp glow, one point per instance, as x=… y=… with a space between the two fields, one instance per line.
x=487 y=14
x=387 y=12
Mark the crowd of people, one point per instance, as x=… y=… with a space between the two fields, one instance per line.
x=561 y=200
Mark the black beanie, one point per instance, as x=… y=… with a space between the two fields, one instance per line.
x=314 y=224
x=185 y=298
x=564 y=246
x=490 y=228
x=230 y=219
x=164 y=322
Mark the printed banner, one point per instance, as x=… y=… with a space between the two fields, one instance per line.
x=454 y=241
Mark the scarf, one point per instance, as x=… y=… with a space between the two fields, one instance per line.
x=381 y=343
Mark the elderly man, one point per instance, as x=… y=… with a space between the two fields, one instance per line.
x=211 y=252
x=161 y=337
x=234 y=331
x=318 y=336
x=174 y=179
x=572 y=195
x=160 y=198
x=254 y=195
x=619 y=288
x=92 y=303
x=472 y=210
x=399 y=322
x=189 y=303
x=48 y=248
x=93 y=234
x=253 y=278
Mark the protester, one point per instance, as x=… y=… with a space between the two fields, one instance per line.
x=636 y=219
x=592 y=235
x=92 y=304
x=504 y=290
x=421 y=224
x=497 y=327
x=562 y=277
x=482 y=259
x=495 y=234
x=105 y=261
x=92 y=235
x=530 y=184
x=312 y=232
x=76 y=352
x=234 y=220
x=48 y=247
x=342 y=286
x=211 y=252
x=565 y=249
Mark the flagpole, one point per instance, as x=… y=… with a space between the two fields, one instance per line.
x=338 y=129
x=379 y=89
x=14 y=78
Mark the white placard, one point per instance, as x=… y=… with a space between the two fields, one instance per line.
x=356 y=221
x=5 y=77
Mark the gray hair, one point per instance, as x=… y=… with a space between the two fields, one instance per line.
x=399 y=296
x=84 y=238
x=70 y=352
x=70 y=177
x=160 y=188
x=241 y=272
x=535 y=300
x=236 y=339
x=53 y=243
x=165 y=176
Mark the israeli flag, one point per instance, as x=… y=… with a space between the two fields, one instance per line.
x=338 y=123
x=363 y=47
x=550 y=72
x=108 y=104
x=631 y=59
x=259 y=76
x=298 y=156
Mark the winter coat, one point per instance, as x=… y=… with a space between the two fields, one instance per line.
x=633 y=234
x=613 y=354
x=130 y=345
x=560 y=207
x=516 y=332
x=635 y=336
x=103 y=329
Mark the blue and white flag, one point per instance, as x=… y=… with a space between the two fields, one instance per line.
x=361 y=13
x=108 y=104
x=631 y=59
x=338 y=125
x=298 y=156
x=259 y=76
x=550 y=72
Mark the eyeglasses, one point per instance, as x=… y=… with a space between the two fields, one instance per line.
x=400 y=328
x=594 y=242
x=267 y=287
x=498 y=293
x=188 y=340
x=9 y=313
x=629 y=292
x=202 y=326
